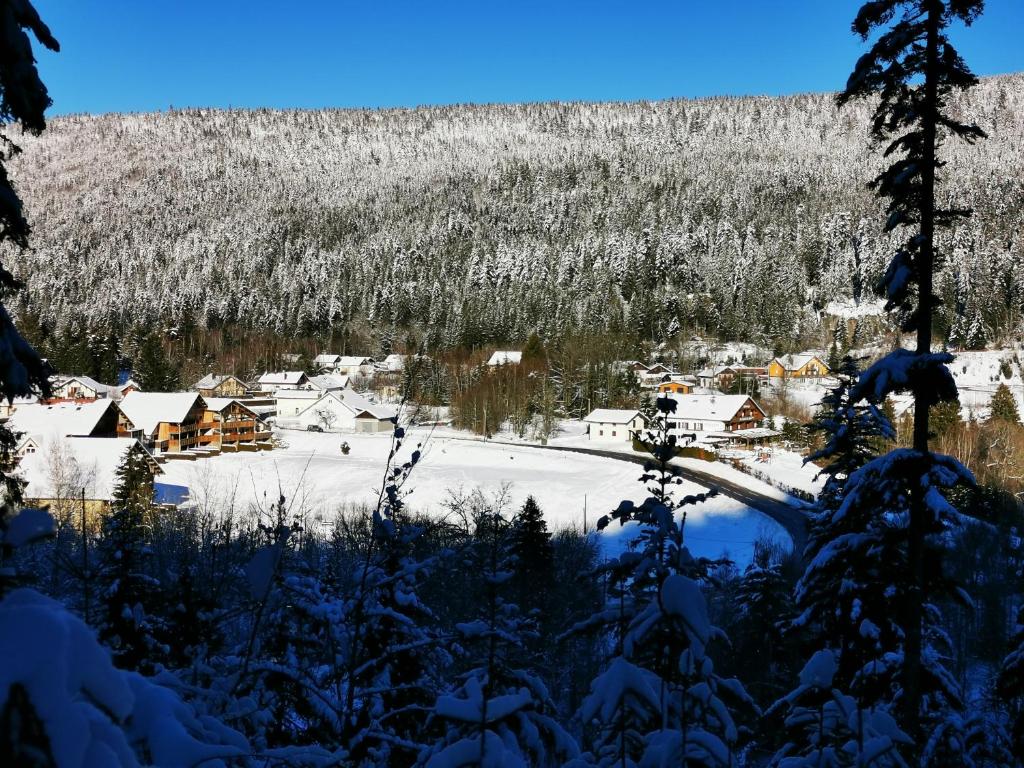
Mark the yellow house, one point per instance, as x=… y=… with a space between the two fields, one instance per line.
x=675 y=387
x=798 y=367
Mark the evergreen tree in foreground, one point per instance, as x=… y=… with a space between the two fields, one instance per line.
x=912 y=69
x=660 y=701
x=129 y=624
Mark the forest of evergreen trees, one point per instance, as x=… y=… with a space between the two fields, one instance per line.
x=736 y=217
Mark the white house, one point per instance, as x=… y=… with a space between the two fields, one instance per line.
x=715 y=413
x=393 y=363
x=341 y=411
x=505 y=357
x=80 y=388
x=291 y=402
x=326 y=361
x=327 y=382
x=277 y=380
x=612 y=425
x=354 y=365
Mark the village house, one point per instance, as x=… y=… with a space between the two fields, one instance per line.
x=612 y=425
x=505 y=357
x=393 y=363
x=231 y=426
x=326 y=361
x=41 y=423
x=806 y=367
x=216 y=385
x=655 y=375
x=78 y=475
x=171 y=422
x=354 y=365
x=341 y=411
x=327 y=382
x=278 y=380
x=677 y=385
x=79 y=389
x=715 y=413
x=291 y=402
x=725 y=376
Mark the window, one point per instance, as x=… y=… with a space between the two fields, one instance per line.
x=614 y=433
x=601 y=432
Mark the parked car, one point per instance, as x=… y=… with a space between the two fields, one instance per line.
x=314 y=428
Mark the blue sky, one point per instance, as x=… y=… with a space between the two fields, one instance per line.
x=138 y=55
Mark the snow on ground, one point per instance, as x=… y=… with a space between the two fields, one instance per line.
x=783 y=466
x=978 y=373
x=848 y=309
x=317 y=480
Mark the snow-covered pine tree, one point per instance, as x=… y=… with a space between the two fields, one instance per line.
x=500 y=713
x=395 y=653
x=660 y=701
x=912 y=69
x=1004 y=406
x=23 y=100
x=130 y=622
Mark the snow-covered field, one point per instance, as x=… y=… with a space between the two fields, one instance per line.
x=317 y=480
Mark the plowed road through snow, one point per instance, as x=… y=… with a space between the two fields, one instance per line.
x=790 y=517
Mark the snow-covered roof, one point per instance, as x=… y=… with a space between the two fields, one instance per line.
x=702 y=407
x=796 y=362
x=360 y=404
x=329 y=381
x=88 y=381
x=45 y=422
x=95 y=458
x=505 y=357
x=211 y=380
x=148 y=409
x=326 y=358
x=350 y=360
x=282 y=377
x=611 y=416
x=354 y=402
x=297 y=394
x=221 y=403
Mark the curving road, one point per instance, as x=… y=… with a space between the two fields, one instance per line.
x=793 y=519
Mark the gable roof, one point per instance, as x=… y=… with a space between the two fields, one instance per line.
x=46 y=422
x=211 y=380
x=283 y=377
x=350 y=360
x=329 y=381
x=148 y=409
x=95 y=458
x=709 y=407
x=326 y=358
x=91 y=383
x=505 y=357
x=796 y=362
x=355 y=403
x=220 y=404
x=611 y=416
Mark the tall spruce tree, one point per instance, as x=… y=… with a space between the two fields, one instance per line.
x=912 y=70
x=153 y=369
x=130 y=623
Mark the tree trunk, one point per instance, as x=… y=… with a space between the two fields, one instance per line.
x=925 y=269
